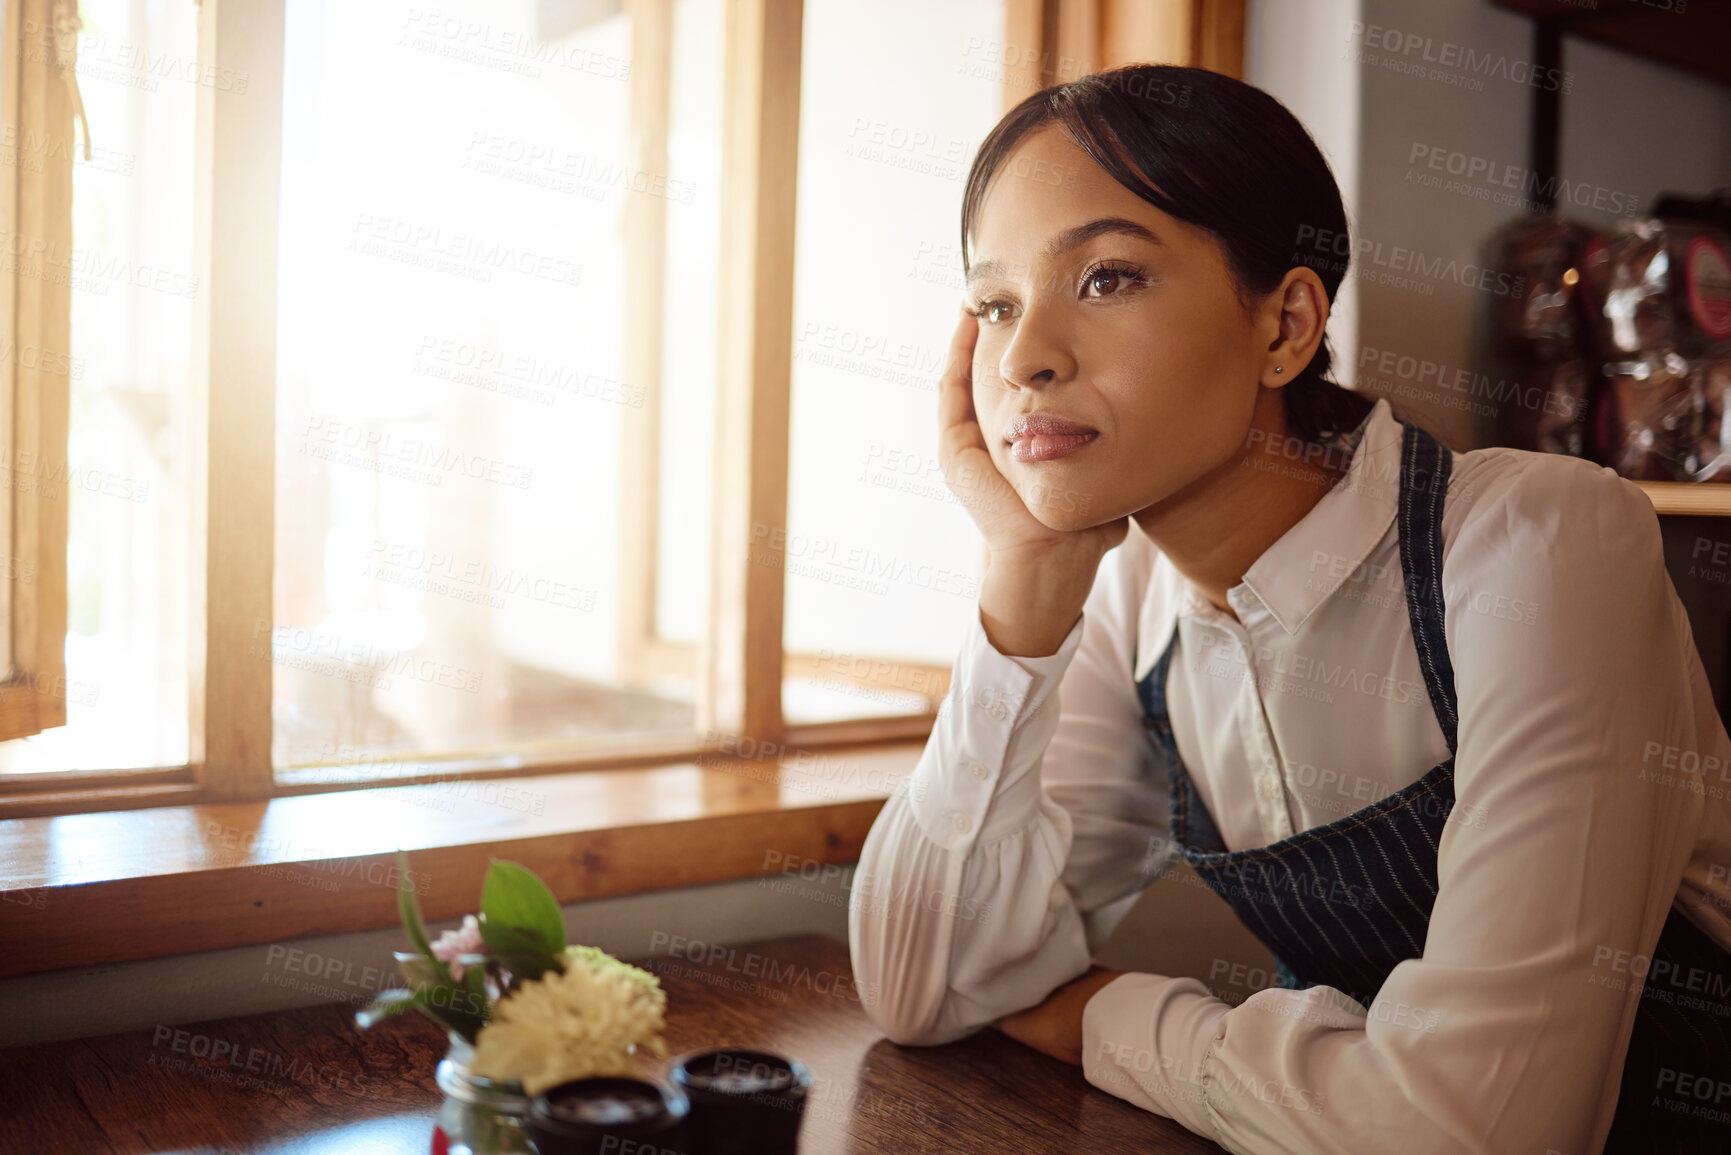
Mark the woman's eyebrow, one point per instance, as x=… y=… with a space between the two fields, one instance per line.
x=1105 y=226
x=1071 y=238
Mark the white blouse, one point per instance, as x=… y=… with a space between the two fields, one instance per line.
x=1593 y=786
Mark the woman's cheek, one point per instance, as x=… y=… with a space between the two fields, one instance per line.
x=990 y=396
x=984 y=369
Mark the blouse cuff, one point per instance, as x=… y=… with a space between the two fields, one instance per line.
x=1148 y=1039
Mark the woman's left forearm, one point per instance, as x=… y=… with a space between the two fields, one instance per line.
x=1055 y=1025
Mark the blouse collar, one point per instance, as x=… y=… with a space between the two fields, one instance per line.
x=1308 y=562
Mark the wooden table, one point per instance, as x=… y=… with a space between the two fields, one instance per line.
x=325 y=1087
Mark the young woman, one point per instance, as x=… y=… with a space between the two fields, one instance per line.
x=1432 y=723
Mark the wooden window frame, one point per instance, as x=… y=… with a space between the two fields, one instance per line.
x=740 y=664
x=35 y=313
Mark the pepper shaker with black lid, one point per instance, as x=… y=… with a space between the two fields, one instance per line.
x=743 y=1102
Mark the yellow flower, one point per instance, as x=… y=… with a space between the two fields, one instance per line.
x=583 y=1022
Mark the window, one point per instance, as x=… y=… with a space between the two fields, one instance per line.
x=512 y=386
x=101 y=295
x=882 y=562
x=455 y=415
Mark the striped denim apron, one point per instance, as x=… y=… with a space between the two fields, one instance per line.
x=1341 y=904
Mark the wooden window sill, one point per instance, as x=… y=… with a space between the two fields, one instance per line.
x=83 y=889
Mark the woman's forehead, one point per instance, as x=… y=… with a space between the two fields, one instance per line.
x=1048 y=188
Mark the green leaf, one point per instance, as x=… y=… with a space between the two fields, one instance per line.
x=475 y=982
x=409 y=909
x=453 y=1008
x=420 y=970
x=519 y=913
x=387 y=1005
x=520 y=954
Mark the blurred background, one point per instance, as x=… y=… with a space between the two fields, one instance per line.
x=394 y=394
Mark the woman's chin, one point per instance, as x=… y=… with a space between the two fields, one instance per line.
x=1067 y=508
x=1070 y=519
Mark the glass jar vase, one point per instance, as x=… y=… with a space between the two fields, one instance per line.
x=479 y=1116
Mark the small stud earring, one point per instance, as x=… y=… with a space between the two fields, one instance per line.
x=1280 y=368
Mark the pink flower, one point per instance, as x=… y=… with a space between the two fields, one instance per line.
x=452 y=943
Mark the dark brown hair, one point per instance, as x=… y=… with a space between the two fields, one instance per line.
x=1217 y=153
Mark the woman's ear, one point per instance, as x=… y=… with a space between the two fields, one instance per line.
x=1299 y=311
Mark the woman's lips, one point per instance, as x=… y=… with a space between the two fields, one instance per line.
x=1046 y=437
x=1048 y=446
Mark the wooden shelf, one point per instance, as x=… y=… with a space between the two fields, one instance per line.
x=1692 y=39
x=1681 y=497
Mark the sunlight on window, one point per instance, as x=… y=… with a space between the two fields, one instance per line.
x=688 y=352
x=452 y=389
x=883 y=563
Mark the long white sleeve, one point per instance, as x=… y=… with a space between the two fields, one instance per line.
x=1027 y=828
x=1509 y=1033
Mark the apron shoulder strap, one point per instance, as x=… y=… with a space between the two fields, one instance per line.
x=1424 y=474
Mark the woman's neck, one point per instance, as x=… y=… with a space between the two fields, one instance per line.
x=1217 y=526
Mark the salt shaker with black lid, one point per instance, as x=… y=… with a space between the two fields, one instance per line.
x=606 y=1115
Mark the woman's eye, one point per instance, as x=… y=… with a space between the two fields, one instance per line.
x=1105 y=282
x=994 y=311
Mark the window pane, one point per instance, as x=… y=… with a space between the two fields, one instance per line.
x=882 y=562
x=451 y=381
x=133 y=293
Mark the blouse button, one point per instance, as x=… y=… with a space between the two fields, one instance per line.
x=962 y=823
x=978 y=770
x=997 y=710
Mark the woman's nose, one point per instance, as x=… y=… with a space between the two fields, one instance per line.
x=1039 y=353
